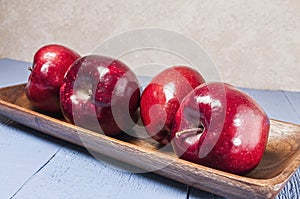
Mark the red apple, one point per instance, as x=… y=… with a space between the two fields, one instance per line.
x=101 y=94
x=219 y=126
x=161 y=99
x=50 y=64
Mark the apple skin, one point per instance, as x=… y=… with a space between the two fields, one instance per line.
x=50 y=64
x=161 y=99
x=101 y=94
x=219 y=126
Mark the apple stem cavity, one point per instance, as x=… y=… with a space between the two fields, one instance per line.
x=196 y=131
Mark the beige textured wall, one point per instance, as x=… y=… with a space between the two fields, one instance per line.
x=254 y=43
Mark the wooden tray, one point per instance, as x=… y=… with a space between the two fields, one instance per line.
x=280 y=161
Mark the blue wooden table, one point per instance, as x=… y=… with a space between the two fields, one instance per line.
x=34 y=165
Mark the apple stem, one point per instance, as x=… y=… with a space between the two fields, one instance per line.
x=90 y=92
x=30 y=68
x=198 y=130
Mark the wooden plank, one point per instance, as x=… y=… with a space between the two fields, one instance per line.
x=13 y=72
x=294 y=99
x=23 y=151
x=277 y=106
x=292 y=189
x=74 y=173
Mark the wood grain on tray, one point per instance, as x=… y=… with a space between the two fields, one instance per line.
x=280 y=161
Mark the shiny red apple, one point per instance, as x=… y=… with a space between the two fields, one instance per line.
x=219 y=126
x=161 y=99
x=101 y=94
x=50 y=64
